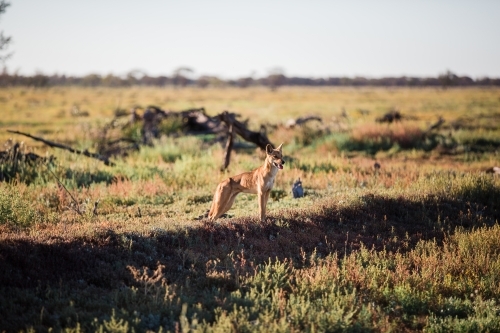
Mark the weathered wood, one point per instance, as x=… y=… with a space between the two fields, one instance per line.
x=495 y=170
x=391 y=116
x=119 y=147
x=436 y=125
x=13 y=154
x=301 y=121
x=101 y=158
x=433 y=127
x=196 y=121
x=229 y=147
x=259 y=138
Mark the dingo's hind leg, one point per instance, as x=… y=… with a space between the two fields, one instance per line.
x=223 y=200
x=216 y=203
x=229 y=203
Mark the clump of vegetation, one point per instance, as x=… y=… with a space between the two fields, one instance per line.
x=405 y=135
x=372 y=138
x=17 y=209
x=19 y=165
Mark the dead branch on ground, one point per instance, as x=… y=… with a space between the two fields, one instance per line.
x=301 y=121
x=390 y=117
x=14 y=154
x=258 y=138
x=101 y=158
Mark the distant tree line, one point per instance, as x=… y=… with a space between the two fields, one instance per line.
x=273 y=81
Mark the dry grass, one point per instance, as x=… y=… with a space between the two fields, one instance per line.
x=401 y=134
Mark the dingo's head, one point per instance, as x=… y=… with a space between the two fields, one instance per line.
x=275 y=156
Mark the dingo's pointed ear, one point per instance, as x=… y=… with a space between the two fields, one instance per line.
x=279 y=147
x=269 y=149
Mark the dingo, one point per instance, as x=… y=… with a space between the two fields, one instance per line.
x=259 y=181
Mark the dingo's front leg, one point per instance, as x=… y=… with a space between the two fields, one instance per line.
x=263 y=196
x=266 y=199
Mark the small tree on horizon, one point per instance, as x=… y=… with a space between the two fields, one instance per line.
x=4 y=41
x=276 y=78
x=180 y=76
x=447 y=79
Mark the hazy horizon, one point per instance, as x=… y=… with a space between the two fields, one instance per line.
x=231 y=40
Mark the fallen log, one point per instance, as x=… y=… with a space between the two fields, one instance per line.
x=118 y=147
x=101 y=158
x=14 y=154
x=433 y=127
x=390 y=117
x=258 y=138
x=436 y=125
x=13 y=161
x=196 y=121
x=301 y=121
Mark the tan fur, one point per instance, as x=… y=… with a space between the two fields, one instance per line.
x=259 y=181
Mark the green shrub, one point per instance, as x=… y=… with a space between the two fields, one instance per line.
x=133 y=132
x=16 y=210
x=171 y=125
x=477 y=188
x=83 y=178
x=306 y=135
x=479 y=141
x=484 y=318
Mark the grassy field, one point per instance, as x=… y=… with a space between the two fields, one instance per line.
x=411 y=246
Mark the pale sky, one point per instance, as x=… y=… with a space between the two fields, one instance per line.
x=231 y=39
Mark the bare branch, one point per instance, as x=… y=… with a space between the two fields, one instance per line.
x=61 y=146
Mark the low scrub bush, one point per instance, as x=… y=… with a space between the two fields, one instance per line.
x=85 y=177
x=483 y=317
x=171 y=149
x=468 y=187
x=379 y=137
x=406 y=136
x=479 y=141
x=306 y=135
x=16 y=208
x=16 y=165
